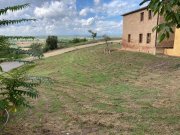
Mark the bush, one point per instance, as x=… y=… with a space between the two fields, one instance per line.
x=78 y=40
x=15 y=86
x=51 y=43
x=36 y=49
x=84 y=40
x=75 y=40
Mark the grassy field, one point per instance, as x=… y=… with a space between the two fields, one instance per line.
x=62 y=43
x=101 y=94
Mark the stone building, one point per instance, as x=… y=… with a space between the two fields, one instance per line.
x=138 y=34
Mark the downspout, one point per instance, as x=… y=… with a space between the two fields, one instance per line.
x=156 y=31
x=156 y=35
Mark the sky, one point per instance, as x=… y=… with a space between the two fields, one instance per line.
x=68 y=17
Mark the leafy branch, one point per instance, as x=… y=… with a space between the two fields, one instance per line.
x=8 y=22
x=13 y=8
x=16 y=85
x=170 y=11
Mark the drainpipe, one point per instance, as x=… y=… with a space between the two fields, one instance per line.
x=156 y=31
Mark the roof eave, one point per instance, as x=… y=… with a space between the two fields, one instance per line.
x=137 y=10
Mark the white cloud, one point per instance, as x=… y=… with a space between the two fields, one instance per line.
x=108 y=27
x=14 y=15
x=97 y=2
x=62 y=17
x=145 y=4
x=56 y=9
x=85 y=11
x=21 y=30
x=88 y=22
x=114 y=8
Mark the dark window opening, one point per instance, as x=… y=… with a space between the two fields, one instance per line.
x=140 y=38
x=129 y=37
x=149 y=38
x=150 y=14
x=142 y=16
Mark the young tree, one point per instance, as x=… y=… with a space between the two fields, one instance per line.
x=15 y=85
x=93 y=34
x=106 y=39
x=170 y=10
x=36 y=50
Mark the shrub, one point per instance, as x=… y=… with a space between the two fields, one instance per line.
x=106 y=38
x=36 y=50
x=17 y=85
x=51 y=43
x=84 y=40
x=46 y=48
x=75 y=40
x=78 y=40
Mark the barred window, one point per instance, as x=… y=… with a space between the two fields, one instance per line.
x=129 y=37
x=142 y=16
x=150 y=14
x=148 y=37
x=140 y=38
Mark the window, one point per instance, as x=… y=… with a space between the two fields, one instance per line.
x=140 y=38
x=148 y=37
x=150 y=14
x=142 y=16
x=129 y=37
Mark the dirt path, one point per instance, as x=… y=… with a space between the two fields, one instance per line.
x=7 y=66
x=65 y=50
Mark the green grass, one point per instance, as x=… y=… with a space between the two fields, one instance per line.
x=120 y=93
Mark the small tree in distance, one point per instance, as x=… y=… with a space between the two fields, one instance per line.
x=106 y=39
x=93 y=34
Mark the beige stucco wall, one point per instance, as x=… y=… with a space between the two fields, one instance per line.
x=132 y=25
x=176 y=50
